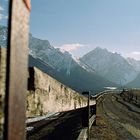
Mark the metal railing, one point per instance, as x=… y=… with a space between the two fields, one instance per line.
x=89 y=119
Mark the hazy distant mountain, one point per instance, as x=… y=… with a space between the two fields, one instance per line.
x=134 y=63
x=135 y=83
x=110 y=65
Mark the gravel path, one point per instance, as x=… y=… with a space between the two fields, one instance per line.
x=116 y=119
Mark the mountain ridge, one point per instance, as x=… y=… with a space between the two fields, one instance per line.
x=108 y=65
x=111 y=66
x=75 y=74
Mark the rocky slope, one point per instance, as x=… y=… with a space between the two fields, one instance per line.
x=134 y=63
x=79 y=79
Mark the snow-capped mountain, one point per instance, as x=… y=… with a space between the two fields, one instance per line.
x=80 y=74
x=110 y=65
x=62 y=66
x=56 y=58
x=65 y=68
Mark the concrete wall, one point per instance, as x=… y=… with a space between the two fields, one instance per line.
x=48 y=95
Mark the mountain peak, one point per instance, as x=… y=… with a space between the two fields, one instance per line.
x=110 y=65
x=97 y=51
x=100 y=49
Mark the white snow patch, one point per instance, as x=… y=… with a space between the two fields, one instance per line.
x=110 y=88
x=62 y=50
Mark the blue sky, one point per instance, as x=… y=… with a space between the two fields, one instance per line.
x=3 y=12
x=79 y=26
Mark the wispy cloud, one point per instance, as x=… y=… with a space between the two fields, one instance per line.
x=1 y=8
x=71 y=47
x=3 y=17
x=134 y=54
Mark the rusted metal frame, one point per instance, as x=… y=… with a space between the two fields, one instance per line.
x=16 y=78
x=87 y=93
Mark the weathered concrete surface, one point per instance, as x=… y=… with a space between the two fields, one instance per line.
x=48 y=95
x=2 y=85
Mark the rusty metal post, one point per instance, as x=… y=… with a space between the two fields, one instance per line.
x=16 y=79
x=94 y=112
x=88 y=115
x=87 y=93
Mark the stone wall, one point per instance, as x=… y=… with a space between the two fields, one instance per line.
x=2 y=85
x=48 y=95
